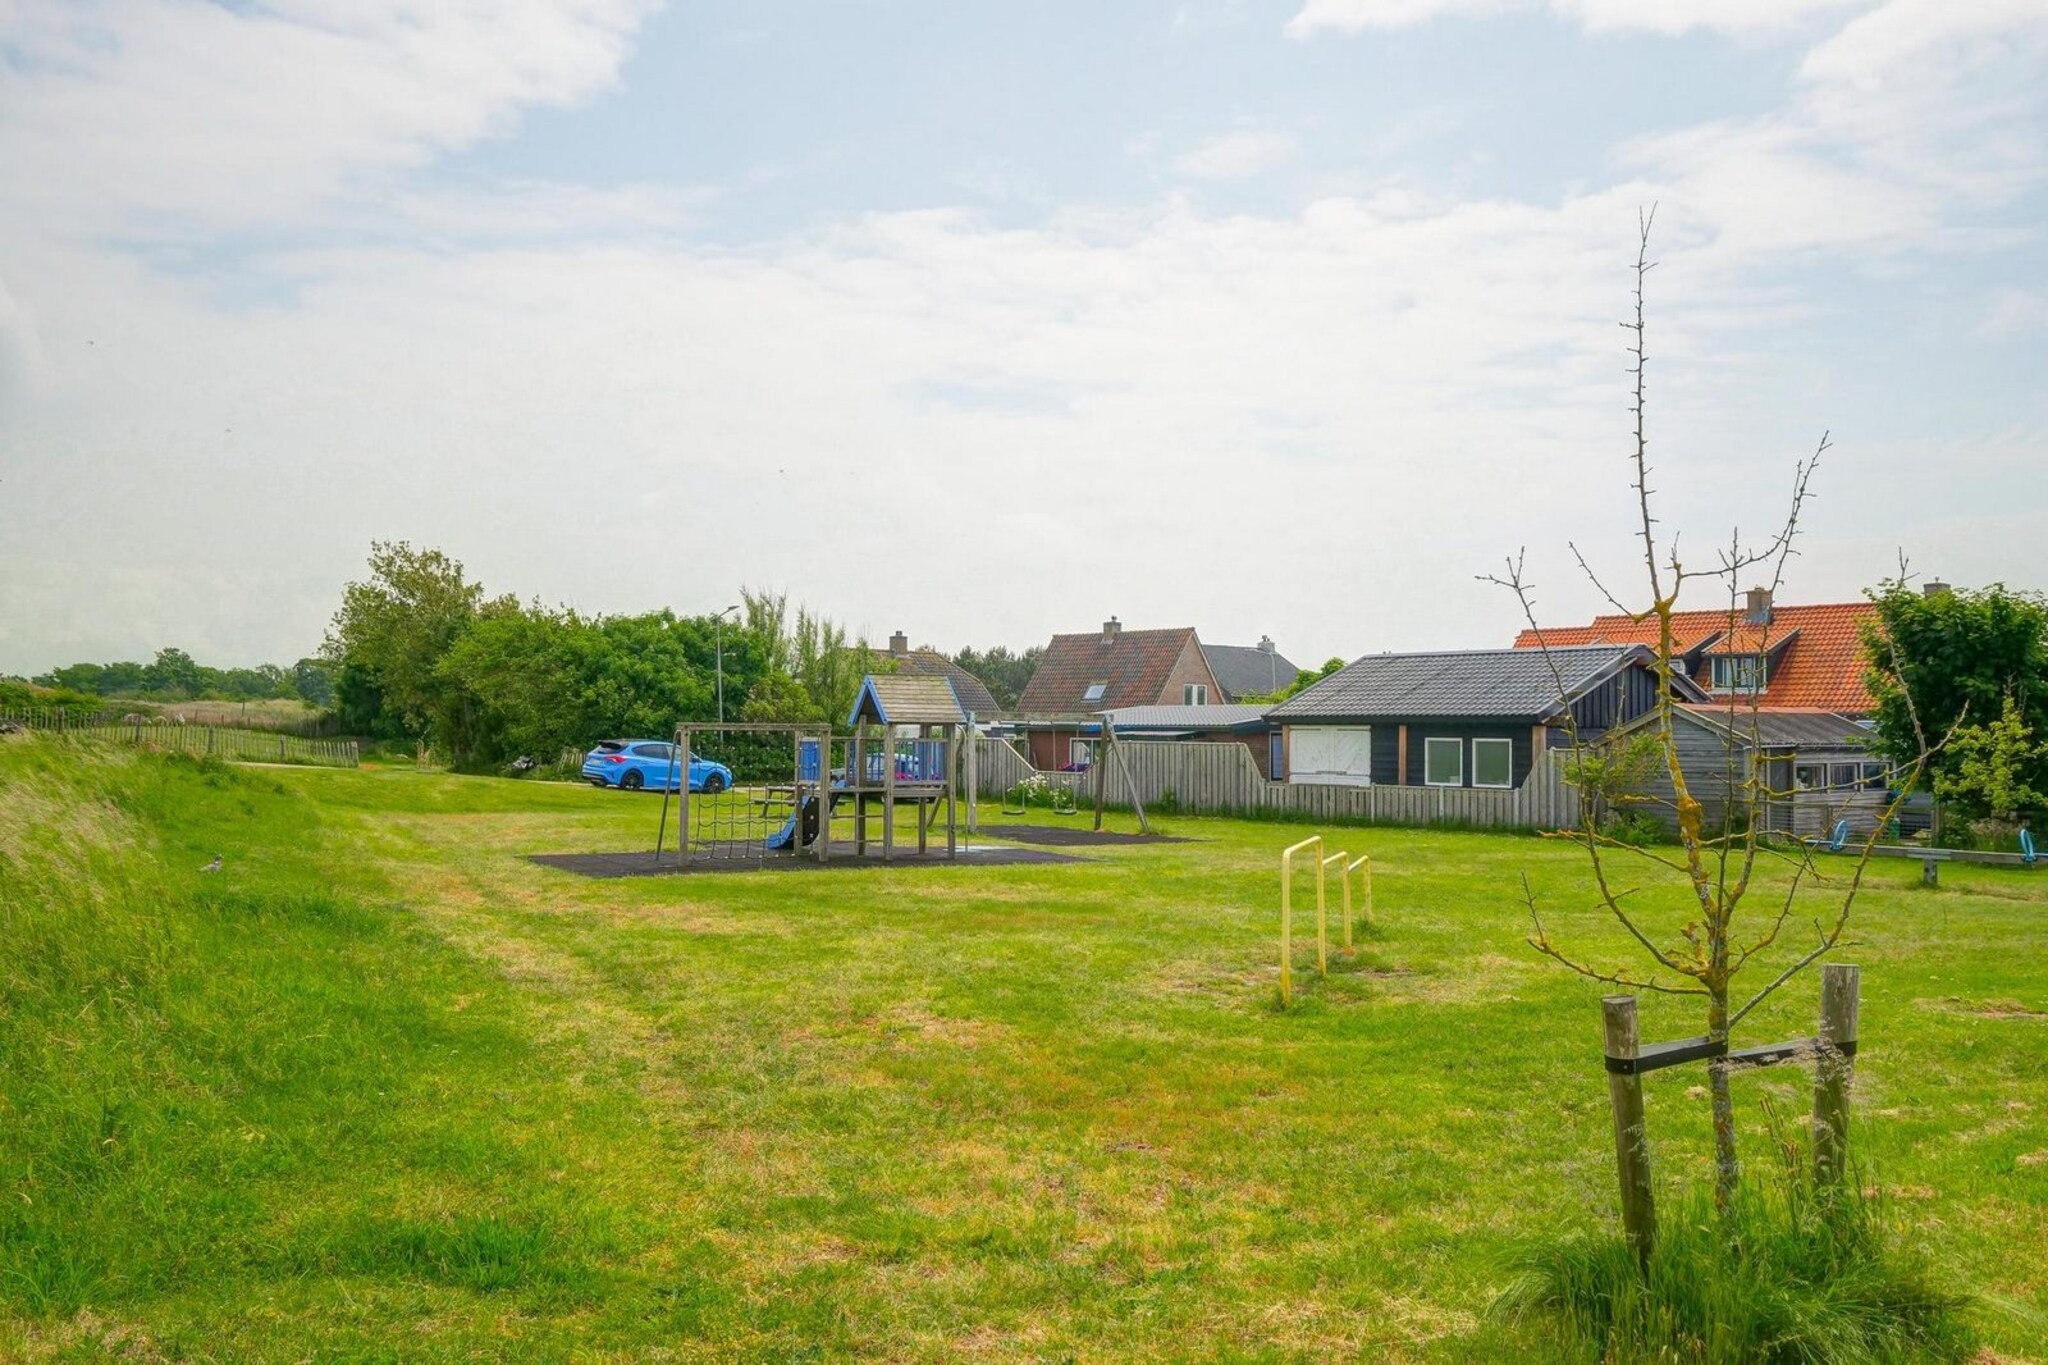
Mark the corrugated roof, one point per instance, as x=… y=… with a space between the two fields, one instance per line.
x=1247 y=670
x=1492 y=684
x=907 y=699
x=1133 y=665
x=1136 y=718
x=1821 y=667
x=1787 y=729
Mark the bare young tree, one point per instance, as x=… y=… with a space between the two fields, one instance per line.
x=1717 y=861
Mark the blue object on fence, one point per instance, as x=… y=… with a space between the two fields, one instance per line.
x=2027 y=853
x=807 y=761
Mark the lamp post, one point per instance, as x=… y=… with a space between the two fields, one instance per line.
x=718 y=650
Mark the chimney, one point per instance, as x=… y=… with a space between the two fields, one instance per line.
x=899 y=643
x=1759 y=607
x=1933 y=587
x=1111 y=629
x=1266 y=644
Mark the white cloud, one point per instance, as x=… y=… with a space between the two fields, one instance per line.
x=2014 y=312
x=1237 y=156
x=122 y=114
x=1653 y=16
x=1315 y=424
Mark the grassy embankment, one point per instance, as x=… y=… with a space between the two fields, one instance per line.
x=382 y=1089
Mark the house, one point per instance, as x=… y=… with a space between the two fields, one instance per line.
x=1473 y=718
x=1082 y=676
x=973 y=694
x=1787 y=657
x=1818 y=767
x=1243 y=671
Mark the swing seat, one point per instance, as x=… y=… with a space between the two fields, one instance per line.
x=1835 y=839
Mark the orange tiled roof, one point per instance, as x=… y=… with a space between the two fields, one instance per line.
x=1819 y=649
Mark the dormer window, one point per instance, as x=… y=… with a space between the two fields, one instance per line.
x=1095 y=691
x=1738 y=673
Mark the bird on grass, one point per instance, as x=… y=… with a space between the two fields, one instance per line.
x=213 y=866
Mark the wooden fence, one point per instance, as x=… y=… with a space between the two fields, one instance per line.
x=1222 y=779
x=225 y=742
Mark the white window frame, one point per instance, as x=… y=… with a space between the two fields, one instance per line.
x=1303 y=775
x=1095 y=690
x=1493 y=786
x=1429 y=781
x=1194 y=694
x=1080 y=752
x=1755 y=665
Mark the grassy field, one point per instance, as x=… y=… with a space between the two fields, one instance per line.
x=382 y=1089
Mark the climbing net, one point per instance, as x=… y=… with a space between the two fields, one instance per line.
x=736 y=792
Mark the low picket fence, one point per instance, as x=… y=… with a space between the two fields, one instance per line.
x=1222 y=779
x=218 y=741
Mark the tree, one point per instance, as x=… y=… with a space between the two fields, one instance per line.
x=1715 y=869
x=1303 y=679
x=1003 y=673
x=1996 y=769
x=395 y=627
x=1966 y=656
x=174 y=673
x=312 y=681
x=777 y=697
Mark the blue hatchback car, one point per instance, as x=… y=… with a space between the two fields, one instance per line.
x=631 y=764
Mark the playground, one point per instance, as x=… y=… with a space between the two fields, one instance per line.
x=463 y=1105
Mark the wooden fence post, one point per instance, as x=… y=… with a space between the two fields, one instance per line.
x=1840 y=998
x=1631 y=1137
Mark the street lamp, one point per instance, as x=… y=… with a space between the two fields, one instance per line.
x=718 y=648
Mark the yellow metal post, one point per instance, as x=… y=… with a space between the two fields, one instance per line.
x=1348 y=949
x=1314 y=841
x=1322 y=912
x=1363 y=867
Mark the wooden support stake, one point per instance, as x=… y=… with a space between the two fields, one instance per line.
x=1930 y=872
x=952 y=812
x=972 y=761
x=1101 y=766
x=1840 y=992
x=1631 y=1136
x=888 y=794
x=683 y=801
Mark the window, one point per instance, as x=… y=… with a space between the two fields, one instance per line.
x=1738 y=673
x=1079 y=752
x=661 y=751
x=1329 y=755
x=1195 y=694
x=1443 y=762
x=1276 y=757
x=1095 y=691
x=1493 y=763
x=1845 y=775
x=1809 y=777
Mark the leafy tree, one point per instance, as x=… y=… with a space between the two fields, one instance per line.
x=312 y=681
x=396 y=627
x=779 y=697
x=1003 y=673
x=1962 y=658
x=1996 y=769
x=174 y=673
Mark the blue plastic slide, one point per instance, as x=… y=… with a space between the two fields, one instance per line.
x=783 y=837
x=2027 y=853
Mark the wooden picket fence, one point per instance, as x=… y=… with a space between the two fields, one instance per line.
x=218 y=741
x=1222 y=779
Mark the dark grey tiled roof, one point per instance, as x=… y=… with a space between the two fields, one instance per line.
x=1247 y=670
x=1492 y=684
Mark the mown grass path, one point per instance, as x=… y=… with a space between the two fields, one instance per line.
x=1022 y=1112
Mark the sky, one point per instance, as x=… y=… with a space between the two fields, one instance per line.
x=985 y=321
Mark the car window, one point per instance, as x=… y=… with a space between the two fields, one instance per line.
x=610 y=746
x=651 y=750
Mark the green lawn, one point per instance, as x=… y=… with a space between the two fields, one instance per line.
x=383 y=1089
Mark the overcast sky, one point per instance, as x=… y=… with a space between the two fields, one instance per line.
x=988 y=320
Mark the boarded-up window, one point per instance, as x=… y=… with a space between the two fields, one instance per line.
x=1332 y=755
